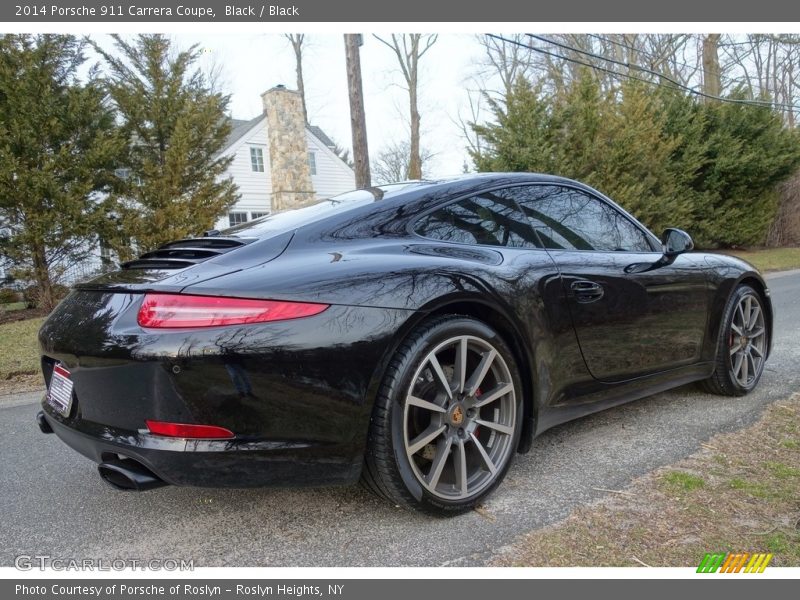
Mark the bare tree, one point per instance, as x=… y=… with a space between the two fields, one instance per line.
x=409 y=49
x=764 y=66
x=503 y=63
x=393 y=163
x=358 y=122
x=785 y=230
x=475 y=100
x=297 y=40
x=506 y=60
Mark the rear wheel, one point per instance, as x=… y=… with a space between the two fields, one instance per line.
x=742 y=345
x=447 y=419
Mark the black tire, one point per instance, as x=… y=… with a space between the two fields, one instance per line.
x=727 y=380
x=393 y=470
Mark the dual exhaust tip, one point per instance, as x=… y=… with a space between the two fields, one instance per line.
x=128 y=475
x=120 y=473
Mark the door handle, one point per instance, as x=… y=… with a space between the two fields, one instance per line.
x=586 y=291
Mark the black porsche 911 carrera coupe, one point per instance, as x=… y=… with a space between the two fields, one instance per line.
x=414 y=335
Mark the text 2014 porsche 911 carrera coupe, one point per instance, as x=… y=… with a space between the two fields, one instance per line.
x=413 y=335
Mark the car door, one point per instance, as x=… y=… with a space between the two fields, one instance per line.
x=524 y=275
x=632 y=315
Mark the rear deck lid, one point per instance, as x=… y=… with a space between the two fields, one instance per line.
x=178 y=264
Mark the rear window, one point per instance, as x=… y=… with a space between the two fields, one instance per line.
x=292 y=219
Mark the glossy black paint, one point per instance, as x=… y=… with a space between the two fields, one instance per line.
x=589 y=330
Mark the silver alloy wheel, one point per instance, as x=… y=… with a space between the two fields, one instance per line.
x=747 y=341
x=459 y=418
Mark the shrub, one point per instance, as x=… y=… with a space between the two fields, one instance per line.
x=8 y=296
x=671 y=160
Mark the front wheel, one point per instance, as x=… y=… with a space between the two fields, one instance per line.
x=447 y=418
x=742 y=345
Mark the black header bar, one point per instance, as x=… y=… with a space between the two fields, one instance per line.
x=363 y=11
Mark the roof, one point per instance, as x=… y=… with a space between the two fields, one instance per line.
x=239 y=127
x=321 y=136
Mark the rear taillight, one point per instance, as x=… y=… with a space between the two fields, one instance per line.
x=186 y=430
x=178 y=310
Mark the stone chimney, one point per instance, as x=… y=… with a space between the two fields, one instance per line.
x=288 y=150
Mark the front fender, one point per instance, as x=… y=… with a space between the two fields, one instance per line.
x=725 y=274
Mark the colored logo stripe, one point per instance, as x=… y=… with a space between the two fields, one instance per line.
x=734 y=562
x=758 y=563
x=710 y=563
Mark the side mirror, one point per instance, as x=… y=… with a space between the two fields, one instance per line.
x=675 y=242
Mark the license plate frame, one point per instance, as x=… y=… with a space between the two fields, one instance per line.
x=59 y=392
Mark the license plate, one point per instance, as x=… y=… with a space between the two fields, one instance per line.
x=59 y=394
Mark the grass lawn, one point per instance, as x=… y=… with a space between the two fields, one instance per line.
x=19 y=354
x=12 y=306
x=770 y=259
x=738 y=494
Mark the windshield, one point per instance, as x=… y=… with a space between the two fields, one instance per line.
x=292 y=219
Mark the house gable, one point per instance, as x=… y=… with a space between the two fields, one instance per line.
x=333 y=176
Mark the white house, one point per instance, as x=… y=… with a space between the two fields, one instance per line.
x=271 y=156
x=279 y=162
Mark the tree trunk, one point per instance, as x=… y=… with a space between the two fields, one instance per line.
x=357 y=119
x=297 y=44
x=712 y=84
x=409 y=49
x=414 y=161
x=41 y=275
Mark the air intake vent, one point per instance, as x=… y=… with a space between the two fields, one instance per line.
x=185 y=253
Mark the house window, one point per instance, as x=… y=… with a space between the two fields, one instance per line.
x=312 y=163
x=257 y=215
x=237 y=218
x=257 y=159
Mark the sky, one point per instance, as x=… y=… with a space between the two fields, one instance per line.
x=251 y=63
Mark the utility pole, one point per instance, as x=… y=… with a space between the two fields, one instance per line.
x=712 y=84
x=358 y=122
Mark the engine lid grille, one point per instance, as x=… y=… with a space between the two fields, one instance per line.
x=185 y=253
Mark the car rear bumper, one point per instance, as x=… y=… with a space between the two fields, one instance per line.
x=211 y=463
x=296 y=394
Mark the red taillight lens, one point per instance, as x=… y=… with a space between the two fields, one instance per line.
x=177 y=310
x=184 y=430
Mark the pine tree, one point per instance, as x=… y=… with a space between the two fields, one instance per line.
x=580 y=111
x=175 y=125
x=58 y=148
x=614 y=140
x=748 y=153
x=633 y=165
x=519 y=139
x=711 y=168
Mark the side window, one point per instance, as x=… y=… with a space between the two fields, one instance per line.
x=566 y=218
x=486 y=219
x=256 y=159
x=312 y=163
